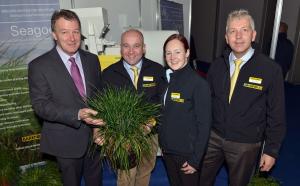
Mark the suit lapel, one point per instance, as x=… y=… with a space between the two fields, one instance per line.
x=121 y=70
x=145 y=65
x=87 y=73
x=62 y=73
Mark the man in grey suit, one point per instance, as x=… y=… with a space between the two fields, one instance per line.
x=60 y=81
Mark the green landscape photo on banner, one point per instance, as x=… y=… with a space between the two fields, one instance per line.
x=25 y=33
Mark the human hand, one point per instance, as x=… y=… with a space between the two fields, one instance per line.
x=187 y=169
x=151 y=122
x=266 y=162
x=146 y=129
x=86 y=115
x=97 y=137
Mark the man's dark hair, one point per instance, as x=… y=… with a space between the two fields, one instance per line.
x=66 y=14
x=283 y=27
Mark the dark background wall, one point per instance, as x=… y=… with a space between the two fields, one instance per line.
x=209 y=22
x=203 y=26
x=294 y=74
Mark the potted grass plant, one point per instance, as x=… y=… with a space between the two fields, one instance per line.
x=263 y=179
x=125 y=114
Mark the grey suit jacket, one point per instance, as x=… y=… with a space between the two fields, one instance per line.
x=56 y=101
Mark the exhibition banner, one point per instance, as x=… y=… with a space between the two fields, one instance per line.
x=25 y=33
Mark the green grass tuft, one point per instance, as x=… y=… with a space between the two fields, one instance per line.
x=262 y=179
x=125 y=114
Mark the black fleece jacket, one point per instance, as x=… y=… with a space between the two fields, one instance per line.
x=257 y=109
x=186 y=116
x=151 y=80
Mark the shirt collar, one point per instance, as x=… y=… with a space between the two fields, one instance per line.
x=65 y=57
x=138 y=65
x=245 y=57
x=168 y=72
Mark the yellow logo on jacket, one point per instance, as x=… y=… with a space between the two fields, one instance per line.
x=254 y=83
x=175 y=96
x=149 y=79
x=147 y=85
x=255 y=80
x=257 y=87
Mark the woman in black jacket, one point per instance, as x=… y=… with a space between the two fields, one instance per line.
x=186 y=117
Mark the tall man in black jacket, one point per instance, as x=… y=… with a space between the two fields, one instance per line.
x=150 y=81
x=246 y=114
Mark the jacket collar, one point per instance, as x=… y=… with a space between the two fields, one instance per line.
x=181 y=72
x=226 y=53
x=121 y=69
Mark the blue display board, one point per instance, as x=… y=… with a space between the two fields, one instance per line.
x=171 y=16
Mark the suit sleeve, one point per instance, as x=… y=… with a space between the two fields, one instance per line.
x=105 y=77
x=276 y=127
x=44 y=103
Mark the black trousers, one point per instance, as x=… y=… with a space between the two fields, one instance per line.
x=176 y=176
x=240 y=158
x=73 y=169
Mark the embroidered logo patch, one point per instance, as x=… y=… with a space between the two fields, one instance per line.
x=147 y=85
x=257 y=87
x=179 y=100
x=175 y=96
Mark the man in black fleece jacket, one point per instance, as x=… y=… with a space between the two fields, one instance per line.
x=246 y=114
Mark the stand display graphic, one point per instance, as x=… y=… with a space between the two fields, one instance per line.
x=25 y=33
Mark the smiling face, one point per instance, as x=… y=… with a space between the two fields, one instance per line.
x=132 y=47
x=67 y=35
x=176 y=55
x=239 y=35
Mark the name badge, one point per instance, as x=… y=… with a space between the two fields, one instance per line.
x=175 y=95
x=148 y=78
x=255 y=80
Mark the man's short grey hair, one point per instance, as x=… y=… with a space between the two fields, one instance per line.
x=237 y=14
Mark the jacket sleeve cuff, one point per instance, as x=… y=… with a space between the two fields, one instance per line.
x=194 y=163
